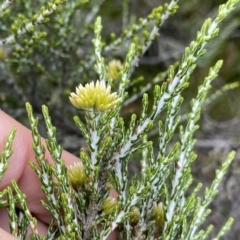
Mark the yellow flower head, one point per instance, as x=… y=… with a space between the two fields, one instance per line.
x=76 y=174
x=134 y=218
x=96 y=96
x=109 y=204
x=158 y=214
x=114 y=68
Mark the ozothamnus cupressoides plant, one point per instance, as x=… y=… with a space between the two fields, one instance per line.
x=152 y=204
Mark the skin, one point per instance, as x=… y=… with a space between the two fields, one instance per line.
x=27 y=180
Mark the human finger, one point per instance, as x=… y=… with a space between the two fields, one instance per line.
x=19 y=169
x=6 y=236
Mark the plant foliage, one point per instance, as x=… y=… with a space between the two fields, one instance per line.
x=151 y=205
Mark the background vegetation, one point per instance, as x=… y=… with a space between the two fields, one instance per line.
x=41 y=74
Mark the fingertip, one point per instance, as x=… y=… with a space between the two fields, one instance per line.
x=6 y=236
x=20 y=146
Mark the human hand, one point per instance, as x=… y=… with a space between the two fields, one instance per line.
x=20 y=171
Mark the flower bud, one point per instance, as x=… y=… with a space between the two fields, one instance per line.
x=108 y=205
x=114 y=68
x=108 y=186
x=76 y=174
x=158 y=215
x=134 y=218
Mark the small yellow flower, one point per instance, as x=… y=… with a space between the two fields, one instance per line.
x=158 y=215
x=109 y=204
x=76 y=174
x=134 y=218
x=96 y=96
x=114 y=68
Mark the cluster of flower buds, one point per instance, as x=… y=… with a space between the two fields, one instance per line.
x=97 y=96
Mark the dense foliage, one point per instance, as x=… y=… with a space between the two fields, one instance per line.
x=48 y=50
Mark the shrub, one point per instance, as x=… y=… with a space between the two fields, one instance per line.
x=49 y=42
